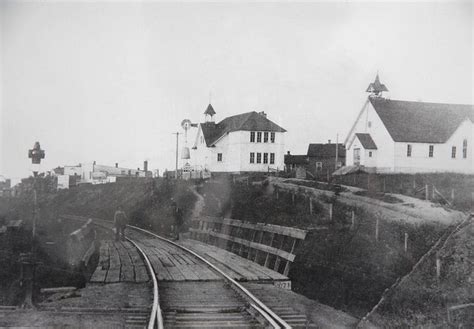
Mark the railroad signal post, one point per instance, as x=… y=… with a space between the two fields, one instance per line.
x=28 y=261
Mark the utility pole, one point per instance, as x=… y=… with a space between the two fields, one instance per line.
x=176 y=169
x=337 y=151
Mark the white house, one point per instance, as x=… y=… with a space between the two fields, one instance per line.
x=245 y=142
x=408 y=137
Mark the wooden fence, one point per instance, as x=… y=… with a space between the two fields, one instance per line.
x=269 y=245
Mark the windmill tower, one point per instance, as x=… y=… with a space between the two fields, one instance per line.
x=185 y=155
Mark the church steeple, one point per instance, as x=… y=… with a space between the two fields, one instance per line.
x=209 y=114
x=376 y=88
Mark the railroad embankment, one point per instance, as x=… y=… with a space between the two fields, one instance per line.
x=146 y=202
x=438 y=292
x=354 y=251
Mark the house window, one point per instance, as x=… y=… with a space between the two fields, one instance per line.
x=272 y=137
x=339 y=164
x=259 y=137
x=370 y=154
x=409 y=150
x=319 y=166
x=259 y=157
x=272 y=158
x=202 y=140
x=265 y=157
x=453 y=152
x=252 y=157
x=265 y=137
x=369 y=124
x=219 y=157
x=252 y=137
x=464 y=149
x=431 y=151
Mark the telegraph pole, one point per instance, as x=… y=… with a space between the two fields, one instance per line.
x=176 y=169
x=337 y=150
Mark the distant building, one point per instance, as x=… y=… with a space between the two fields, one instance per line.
x=247 y=142
x=5 y=187
x=93 y=173
x=294 y=161
x=57 y=171
x=324 y=159
x=410 y=137
x=296 y=164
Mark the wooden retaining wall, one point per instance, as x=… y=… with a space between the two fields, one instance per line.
x=272 y=246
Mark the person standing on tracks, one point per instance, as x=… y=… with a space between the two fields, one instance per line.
x=120 y=221
x=178 y=217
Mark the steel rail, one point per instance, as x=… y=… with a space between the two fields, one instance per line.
x=275 y=321
x=156 y=315
x=266 y=312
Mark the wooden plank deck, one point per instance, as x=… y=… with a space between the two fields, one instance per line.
x=119 y=261
x=173 y=264
x=237 y=267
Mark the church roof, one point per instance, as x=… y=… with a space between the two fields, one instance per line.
x=420 y=122
x=250 y=121
x=210 y=110
x=366 y=141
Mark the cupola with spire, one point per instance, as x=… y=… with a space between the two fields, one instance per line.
x=209 y=114
x=376 y=88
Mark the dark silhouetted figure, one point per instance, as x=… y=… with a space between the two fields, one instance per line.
x=120 y=221
x=178 y=217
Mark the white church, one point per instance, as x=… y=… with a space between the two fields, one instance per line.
x=247 y=142
x=393 y=136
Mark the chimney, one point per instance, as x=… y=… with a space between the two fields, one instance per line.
x=329 y=141
x=145 y=166
x=288 y=152
x=116 y=164
x=263 y=114
x=94 y=162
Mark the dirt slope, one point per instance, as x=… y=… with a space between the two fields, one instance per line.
x=410 y=209
x=422 y=299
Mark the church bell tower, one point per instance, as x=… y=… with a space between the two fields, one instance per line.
x=209 y=114
x=376 y=88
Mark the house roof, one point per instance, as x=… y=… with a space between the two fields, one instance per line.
x=296 y=159
x=250 y=121
x=420 y=122
x=320 y=150
x=211 y=132
x=366 y=141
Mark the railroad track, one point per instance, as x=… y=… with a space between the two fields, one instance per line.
x=200 y=295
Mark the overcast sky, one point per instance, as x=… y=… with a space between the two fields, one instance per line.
x=111 y=81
